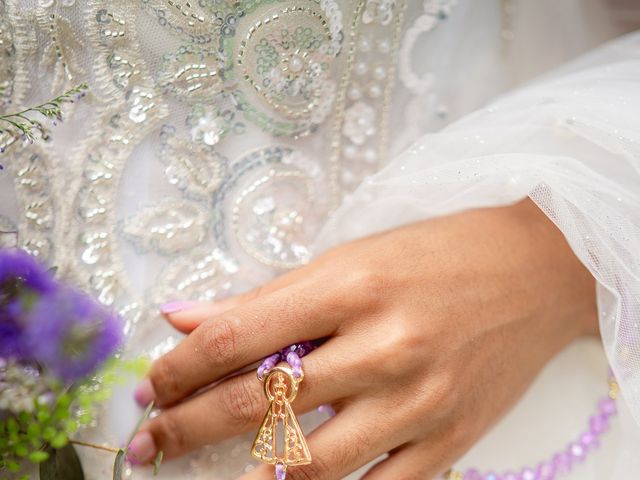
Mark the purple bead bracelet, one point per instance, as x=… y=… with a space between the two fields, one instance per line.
x=557 y=466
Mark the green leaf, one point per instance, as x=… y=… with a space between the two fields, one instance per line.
x=59 y=441
x=157 y=462
x=63 y=403
x=21 y=450
x=118 y=465
x=84 y=418
x=49 y=433
x=63 y=464
x=71 y=426
x=33 y=430
x=12 y=425
x=43 y=416
x=38 y=456
x=138 y=366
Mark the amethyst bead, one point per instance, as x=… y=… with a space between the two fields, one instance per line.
x=511 y=476
x=296 y=364
x=491 y=476
x=267 y=364
x=281 y=472
x=328 y=409
x=607 y=407
x=577 y=452
x=472 y=474
x=545 y=471
x=301 y=349
x=589 y=441
x=528 y=474
x=598 y=424
x=562 y=463
x=304 y=348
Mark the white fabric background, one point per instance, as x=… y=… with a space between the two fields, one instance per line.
x=571 y=143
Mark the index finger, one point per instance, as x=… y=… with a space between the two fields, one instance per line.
x=239 y=337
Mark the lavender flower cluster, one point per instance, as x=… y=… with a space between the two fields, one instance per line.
x=48 y=330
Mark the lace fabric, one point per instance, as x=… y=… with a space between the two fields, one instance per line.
x=214 y=144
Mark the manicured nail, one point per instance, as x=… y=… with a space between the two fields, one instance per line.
x=175 y=307
x=142 y=449
x=144 y=393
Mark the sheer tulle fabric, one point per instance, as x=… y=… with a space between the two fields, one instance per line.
x=572 y=143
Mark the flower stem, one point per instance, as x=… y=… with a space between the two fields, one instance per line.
x=93 y=445
x=13 y=125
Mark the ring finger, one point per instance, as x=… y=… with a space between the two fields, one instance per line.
x=237 y=405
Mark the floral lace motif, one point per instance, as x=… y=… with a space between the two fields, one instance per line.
x=434 y=12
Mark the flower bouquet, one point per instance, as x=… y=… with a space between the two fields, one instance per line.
x=57 y=363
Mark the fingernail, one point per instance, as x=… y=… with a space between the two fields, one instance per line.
x=175 y=307
x=142 y=448
x=144 y=393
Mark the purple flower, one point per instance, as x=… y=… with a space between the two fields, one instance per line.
x=70 y=334
x=22 y=280
x=10 y=335
x=18 y=270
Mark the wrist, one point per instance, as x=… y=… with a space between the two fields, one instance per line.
x=571 y=287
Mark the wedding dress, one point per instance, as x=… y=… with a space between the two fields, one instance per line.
x=223 y=143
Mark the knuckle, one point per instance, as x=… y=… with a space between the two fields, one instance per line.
x=221 y=340
x=440 y=395
x=338 y=462
x=166 y=380
x=460 y=434
x=318 y=470
x=371 y=282
x=358 y=446
x=394 y=354
x=242 y=401
x=169 y=434
x=367 y=284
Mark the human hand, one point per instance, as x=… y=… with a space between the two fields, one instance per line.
x=433 y=331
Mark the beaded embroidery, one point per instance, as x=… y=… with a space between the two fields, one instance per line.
x=259 y=115
x=434 y=11
x=262 y=64
x=60 y=54
x=235 y=68
x=34 y=189
x=7 y=53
